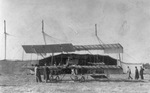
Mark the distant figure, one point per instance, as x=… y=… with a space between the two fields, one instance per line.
x=141 y=72
x=73 y=71
x=67 y=62
x=46 y=73
x=129 y=73
x=37 y=73
x=59 y=64
x=136 y=73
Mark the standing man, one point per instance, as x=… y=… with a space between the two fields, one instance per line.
x=67 y=62
x=136 y=73
x=37 y=73
x=129 y=73
x=46 y=73
x=141 y=72
x=36 y=76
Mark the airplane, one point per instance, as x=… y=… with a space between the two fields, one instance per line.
x=57 y=73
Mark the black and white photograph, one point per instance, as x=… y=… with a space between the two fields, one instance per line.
x=74 y=46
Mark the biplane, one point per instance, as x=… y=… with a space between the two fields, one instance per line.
x=72 y=64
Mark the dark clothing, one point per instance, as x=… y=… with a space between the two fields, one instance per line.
x=141 y=73
x=46 y=73
x=38 y=74
x=136 y=74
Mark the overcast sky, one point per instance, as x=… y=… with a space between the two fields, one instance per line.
x=72 y=21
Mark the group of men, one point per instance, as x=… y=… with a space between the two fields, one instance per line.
x=46 y=73
x=137 y=73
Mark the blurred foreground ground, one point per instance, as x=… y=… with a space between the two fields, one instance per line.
x=117 y=84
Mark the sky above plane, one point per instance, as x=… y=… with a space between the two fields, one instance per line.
x=73 y=21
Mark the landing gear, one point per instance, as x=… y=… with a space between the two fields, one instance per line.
x=74 y=77
x=82 y=79
x=77 y=78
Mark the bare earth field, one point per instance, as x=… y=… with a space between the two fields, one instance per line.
x=117 y=84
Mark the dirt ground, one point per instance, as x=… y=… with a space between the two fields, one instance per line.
x=116 y=84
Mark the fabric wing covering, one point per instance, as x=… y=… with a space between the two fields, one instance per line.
x=53 y=48
x=57 y=48
x=28 y=49
x=108 y=48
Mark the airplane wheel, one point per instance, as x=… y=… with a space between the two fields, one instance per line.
x=62 y=76
x=82 y=79
x=51 y=78
x=74 y=78
x=57 y=78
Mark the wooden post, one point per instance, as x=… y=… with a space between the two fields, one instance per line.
x=43 y=32
x=108 y=73
x=31 y=56
x=95 y=29
x=22 y=55
x=119 y=60
x=5 y=37
x=52 y=59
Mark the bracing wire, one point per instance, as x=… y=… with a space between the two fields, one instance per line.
x=54 y=37
x=51 y=37
x=99 y=40
x=131 y=56
x=87 y=50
